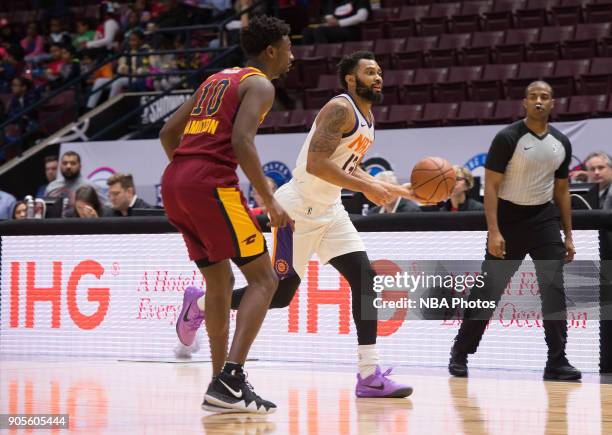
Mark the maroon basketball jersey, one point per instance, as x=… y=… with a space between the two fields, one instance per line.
x=208 y=133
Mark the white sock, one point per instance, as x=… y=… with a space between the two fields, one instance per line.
x=368 y=360
x=200 y=303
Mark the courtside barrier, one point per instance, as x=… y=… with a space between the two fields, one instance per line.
x=113 y=287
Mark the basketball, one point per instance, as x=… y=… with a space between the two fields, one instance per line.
x=433 y=179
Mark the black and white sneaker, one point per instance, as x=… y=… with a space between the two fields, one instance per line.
x=233 y=393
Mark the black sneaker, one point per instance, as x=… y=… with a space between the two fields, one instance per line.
x=232 y=393
x=561 y=371
x=457 y=366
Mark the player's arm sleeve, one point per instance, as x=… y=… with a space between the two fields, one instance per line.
x=500 y=152
x=563 y=170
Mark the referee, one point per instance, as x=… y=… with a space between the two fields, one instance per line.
x=527 y=167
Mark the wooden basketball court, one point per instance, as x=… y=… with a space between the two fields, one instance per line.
x=113 y=397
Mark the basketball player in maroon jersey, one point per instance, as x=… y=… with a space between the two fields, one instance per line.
x=205 y=140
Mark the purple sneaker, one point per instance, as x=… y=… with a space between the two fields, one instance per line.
x=191 y=316
x=379 y=385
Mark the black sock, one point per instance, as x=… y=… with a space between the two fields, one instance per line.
x=233 y=369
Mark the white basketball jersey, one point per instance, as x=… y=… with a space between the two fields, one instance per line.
x=348 y=156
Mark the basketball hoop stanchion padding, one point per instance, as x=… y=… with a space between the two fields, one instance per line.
x=60 y=279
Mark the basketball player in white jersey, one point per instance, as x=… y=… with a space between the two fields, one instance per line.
x=329 y=161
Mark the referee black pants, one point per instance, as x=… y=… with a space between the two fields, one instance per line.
x=532 y=230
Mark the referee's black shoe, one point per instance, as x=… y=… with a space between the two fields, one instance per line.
x=457 y=366
x=561 y=371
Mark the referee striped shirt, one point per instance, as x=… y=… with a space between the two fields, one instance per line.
x=530 y=163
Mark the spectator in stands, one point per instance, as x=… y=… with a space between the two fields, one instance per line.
x=84 y=34
x=87 y=204
x=133 y=24
x=70 y=69
x=172 y=63
x=232 y=33
x=51 y=164
x=136 y=65
x=599 y=169
x=175 y=15
x=459 y=201
x=122 y=195
x=107 y=32
x=260 y=208
x=23 y=97
x=8 y=38
x=399 y=205
x=97 y=80
x=10 y=67
x=144 y=15
x=66 y=187
x=54 y=67
x=20 y=211
x=7 y=205
x=57 y=34
x=341 y=22
x=33 y=44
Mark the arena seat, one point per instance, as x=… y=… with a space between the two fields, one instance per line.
x=599 y=78
x=457 y=86
x=583 y=106
x=506 y=111
x=446 y=54
x=528 y=72
x=436 y=114
x=491 y=86
x=471 y=113
x=470 y=17
x=401 y=116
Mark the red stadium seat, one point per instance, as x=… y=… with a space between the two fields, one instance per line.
x=273 y=120
x=436 y=21
x=326 y=88
x=436 y=114
x=479 y=53
x=528 y=72
x=598 y=13
x=394 y=83
x=472 y=113
x=584 y=44
x=567 y=73
x=385 y=48
x=380 y=113
x=583 y=106
x=446 y=54
x=513 y=49
x=564 y=14
x=548 y=46
x=502 y=17
x=313 y=66
x=491 y=87
x=413 y=55
x=506 y=111
x=401 y=116
x=421 y=90
x=561 y=104
x=299 y=120
x=470 y=16
x=456 y=88
x=599 y=78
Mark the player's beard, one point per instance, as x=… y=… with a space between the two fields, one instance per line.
x=367 y=92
